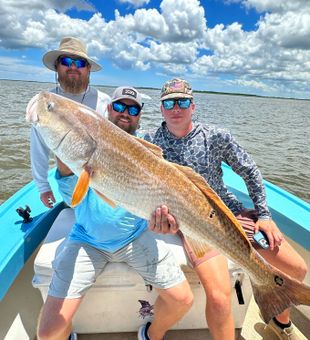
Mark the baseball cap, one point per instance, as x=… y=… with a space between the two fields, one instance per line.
x=127 y=92
x=176 y=88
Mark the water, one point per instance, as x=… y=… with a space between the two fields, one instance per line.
x=274 y=131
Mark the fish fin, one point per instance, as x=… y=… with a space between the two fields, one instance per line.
x=105 y=198
x=209 y=193
x=198 y=247
x=273 y=299
x=81 y=188
x=152 y=147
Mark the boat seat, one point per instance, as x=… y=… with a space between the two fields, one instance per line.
x=112 y=304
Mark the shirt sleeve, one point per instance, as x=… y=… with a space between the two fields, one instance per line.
x=102 y=103
x=66 y=185
x=39 y=156
x=242 y=163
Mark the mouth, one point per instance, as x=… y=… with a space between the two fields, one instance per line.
x=31 y=115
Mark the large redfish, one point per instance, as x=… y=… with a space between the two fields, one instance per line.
x=132 y=173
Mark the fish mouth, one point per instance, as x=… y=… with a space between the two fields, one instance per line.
x=31 y=115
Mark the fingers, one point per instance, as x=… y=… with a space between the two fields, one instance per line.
x=271 y=230
x=163 y=222
x=48 y=199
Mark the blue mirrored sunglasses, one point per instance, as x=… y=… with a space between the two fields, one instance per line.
x=184 y=103
x=67 y=61
x=133 y=110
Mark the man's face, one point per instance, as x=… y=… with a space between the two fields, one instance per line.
x=177 y=112
x=72 y=79
x=124 y=120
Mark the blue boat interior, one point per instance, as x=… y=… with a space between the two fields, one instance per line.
x=20 y=239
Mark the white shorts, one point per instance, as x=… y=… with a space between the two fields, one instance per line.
x=78 y=265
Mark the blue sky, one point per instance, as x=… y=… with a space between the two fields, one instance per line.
x=237 y=46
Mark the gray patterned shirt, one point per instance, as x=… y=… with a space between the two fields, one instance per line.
x=204 y=149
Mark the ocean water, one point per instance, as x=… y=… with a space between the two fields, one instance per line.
x=276 y=132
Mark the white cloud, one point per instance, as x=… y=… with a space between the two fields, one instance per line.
x=175 y=39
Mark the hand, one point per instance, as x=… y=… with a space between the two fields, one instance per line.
x=163 y=222
x=273 y=233
x=48 y=199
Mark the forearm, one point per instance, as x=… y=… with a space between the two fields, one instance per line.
x=63 y=169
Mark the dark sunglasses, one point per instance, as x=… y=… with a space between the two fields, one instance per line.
x=67 y=61
x=133 y=110
x=184 y=103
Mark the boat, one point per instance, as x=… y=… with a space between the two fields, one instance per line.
x=119 y=302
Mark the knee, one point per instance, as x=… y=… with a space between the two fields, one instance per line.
x=219 y=301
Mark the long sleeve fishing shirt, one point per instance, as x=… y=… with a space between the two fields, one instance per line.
x=204 y=149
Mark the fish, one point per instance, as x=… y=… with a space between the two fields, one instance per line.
x=129 y=172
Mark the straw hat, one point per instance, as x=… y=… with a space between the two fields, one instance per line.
x=69 y=46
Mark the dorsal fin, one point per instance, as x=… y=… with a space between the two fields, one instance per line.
x=209 y=193
x=152 y=147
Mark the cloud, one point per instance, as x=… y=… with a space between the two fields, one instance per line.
x=175 y=39
x=135 y=3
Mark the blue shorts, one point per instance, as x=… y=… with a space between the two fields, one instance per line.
x=78 y=265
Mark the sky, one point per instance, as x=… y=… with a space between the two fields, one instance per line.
x=257 y=47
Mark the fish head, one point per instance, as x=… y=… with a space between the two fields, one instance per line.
x=65 y=126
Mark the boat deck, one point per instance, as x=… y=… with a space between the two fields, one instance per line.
x=253 y=329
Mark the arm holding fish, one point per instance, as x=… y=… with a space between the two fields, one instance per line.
x=39 y=156
x=241 y=162
x=66 y=181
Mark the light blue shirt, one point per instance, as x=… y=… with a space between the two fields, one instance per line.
x=97 y=223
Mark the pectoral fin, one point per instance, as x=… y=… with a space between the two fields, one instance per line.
x=81 y=188
x=106 y=199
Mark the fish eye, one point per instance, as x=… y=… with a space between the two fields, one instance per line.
x=50 y=106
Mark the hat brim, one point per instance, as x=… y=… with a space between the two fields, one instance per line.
x=49 y=60
x=176 y=95
x=127 y=97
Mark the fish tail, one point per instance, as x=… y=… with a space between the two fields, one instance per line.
x=285 y=292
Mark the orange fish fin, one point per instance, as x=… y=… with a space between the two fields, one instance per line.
x=81 y=188
x=198 y=247
x=210 y=194
x=105 y=198
x=152 y=147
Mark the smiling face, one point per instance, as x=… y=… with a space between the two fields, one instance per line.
x=123 y=120
x=72 y=79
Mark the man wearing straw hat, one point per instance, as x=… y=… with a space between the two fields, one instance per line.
x=72 y=67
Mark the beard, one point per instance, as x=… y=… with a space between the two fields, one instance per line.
x=73 y=85
x=129 y=128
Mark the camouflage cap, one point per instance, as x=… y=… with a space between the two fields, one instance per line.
x=176 y=88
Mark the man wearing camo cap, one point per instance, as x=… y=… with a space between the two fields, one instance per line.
x=203 y=148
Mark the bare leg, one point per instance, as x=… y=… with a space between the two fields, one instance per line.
x=55 y=318
x=170 y=306
x=215 y=279
x=290 y=262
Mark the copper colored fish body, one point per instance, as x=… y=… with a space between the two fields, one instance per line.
x=132 y=173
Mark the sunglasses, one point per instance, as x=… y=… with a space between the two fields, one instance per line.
x=133 y=110
x=67 y=61
x=184 y=103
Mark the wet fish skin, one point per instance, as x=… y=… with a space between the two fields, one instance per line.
x=132 y=173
